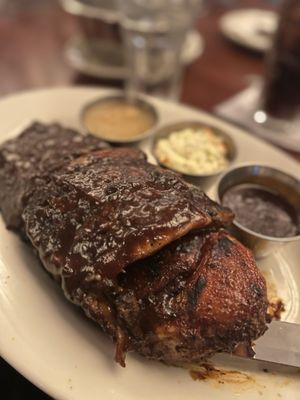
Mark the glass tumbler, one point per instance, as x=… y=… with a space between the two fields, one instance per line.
x=280 y=99
x=154 y=32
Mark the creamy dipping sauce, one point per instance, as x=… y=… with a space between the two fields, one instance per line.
x=263 y=211
x=117 y=119
x=193 y=151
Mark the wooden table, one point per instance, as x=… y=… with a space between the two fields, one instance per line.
x=32 y=40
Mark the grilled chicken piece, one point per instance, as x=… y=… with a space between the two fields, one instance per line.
x=142 y=253
x=200 y=295
x=38 y=150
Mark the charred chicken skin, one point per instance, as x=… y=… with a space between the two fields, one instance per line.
x=143 y=253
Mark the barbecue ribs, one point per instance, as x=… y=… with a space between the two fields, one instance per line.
x=143 y=253
x=39 y=150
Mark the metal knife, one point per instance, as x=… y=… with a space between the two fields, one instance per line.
x=280 y=344
x=278 y=348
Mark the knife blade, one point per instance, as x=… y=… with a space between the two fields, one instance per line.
x=280 y=344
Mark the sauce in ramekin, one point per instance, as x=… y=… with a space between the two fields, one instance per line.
x=262 y=210
x=118 y=120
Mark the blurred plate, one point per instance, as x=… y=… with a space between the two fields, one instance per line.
x=250 y=28
x=102 y=59
x=52 y=344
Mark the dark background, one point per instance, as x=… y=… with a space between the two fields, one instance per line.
x=33 y=34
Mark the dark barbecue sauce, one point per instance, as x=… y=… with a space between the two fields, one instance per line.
x=261 y=210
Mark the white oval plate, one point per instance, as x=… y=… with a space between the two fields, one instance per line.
x=52 y=344
x=251 y=28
